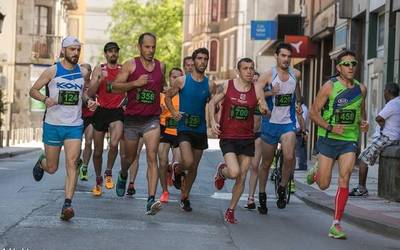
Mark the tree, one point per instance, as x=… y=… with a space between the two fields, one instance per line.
x=130 y=18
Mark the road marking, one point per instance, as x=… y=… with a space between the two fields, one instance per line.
x=54 y=222
x=270 y=197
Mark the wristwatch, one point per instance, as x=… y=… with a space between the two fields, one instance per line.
x=329 y=128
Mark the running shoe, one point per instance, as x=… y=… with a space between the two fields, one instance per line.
x=292 y=186
x=83 y=173
x=96 y=191
x=37 y=170
x=121 y=185
x=177 y=181
x=109 y=184
x=131 y=189
x=153 y=207
x=281 y=202
x=67 y=212
x=185 y=205
x=219 y=180
x=311 y=174
x=164 y=197
x=358 y=192
x=336 y=232
x=230 y=216
x=262 y=209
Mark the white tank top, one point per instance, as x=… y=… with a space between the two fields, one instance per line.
x=282 y=105
x=66 y=88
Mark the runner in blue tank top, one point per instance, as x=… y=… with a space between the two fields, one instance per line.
x=282 y=83
x=194 y=92
x=63 y=124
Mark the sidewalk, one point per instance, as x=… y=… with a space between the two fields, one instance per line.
x=374 y=213
x=19 y=149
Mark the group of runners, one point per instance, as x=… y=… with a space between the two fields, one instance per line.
x=250 y=114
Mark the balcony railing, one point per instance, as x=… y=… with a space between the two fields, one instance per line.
x=45 y=47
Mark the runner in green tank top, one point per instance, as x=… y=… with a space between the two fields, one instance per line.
x=342 y=103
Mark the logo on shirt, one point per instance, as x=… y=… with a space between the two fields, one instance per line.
x=68 y=85
x=242 y=97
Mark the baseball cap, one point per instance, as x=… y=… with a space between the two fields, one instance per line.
x=111 y=45
x=70 y=41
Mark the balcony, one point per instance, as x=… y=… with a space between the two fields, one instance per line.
x=70 y=4
x=45 y=48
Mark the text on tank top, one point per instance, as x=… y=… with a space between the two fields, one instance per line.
x=237 y=115
x=145 y=100
x=66 y=88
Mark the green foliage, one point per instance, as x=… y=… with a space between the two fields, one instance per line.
x=130 y=18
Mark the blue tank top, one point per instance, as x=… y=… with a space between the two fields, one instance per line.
x=193 y=98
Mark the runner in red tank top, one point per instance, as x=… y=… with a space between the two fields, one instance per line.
x=235 y=130
x=143 y=79
x=108 y=116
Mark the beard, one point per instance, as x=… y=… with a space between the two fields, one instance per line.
x=72 y=60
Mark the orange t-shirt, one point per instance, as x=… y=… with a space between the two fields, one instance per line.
x=166 y=116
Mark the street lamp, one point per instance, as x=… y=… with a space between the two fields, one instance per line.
x=2 y=16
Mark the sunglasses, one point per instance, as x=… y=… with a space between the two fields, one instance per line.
x=348 y=63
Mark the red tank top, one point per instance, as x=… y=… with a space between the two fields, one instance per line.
x=105 y=98
x=237 y=115
x=145 y=101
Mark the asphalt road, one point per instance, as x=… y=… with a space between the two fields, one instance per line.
x=30 y=217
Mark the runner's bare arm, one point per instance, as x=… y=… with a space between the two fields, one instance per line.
x=43 y=80
x=176 y=86
x=264 y=79
x=95 y=81
x=319 y=102
x=364 y=123
x=215 y=100
x=121 y=83
x=163 y=70
x=298 y=88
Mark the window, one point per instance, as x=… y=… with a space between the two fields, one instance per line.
x=213 y=55
x=232 y=52
x=381 y=30
x=341 y=37
x=41 y=23
x=224 y=8
x=225 y=51
x=214 y=11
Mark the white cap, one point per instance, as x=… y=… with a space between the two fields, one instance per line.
x=70 y=41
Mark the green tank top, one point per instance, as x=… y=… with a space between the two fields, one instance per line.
x=343 y=107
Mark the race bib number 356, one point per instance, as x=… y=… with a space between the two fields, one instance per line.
x=283 y=100
x=346 y=116
x=239 y=112
x=68 y=97
x=145 y=96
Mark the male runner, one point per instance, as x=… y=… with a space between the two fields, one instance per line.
x=168 y=138
x=108 y=116
x=87 y=116
x=63 y=124
x=188 y=64
x=194 y=92
x=282 y=82
x=235 y=130
x=342 y=102
x=143 y=78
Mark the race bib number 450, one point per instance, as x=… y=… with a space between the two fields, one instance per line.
x=68 y=97
x=239 y=112
x=145 y=96
x=346 y=116
x=283 y=100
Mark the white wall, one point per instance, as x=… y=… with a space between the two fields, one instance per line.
x=97 y=21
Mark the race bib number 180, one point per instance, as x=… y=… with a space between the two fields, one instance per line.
x=68 y=97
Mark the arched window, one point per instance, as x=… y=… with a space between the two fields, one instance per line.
x=214 y=55
x=214 y=11
x=224 y=8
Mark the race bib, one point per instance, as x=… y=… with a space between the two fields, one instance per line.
x=192 y=121
x=145 y=96
x=239 y=112
x=283 y=100
x=171 y=123
x=68 y=97
x=346 y=116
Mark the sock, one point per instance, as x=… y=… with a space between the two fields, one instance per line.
x=122 y=176
x=99 y=180
x=67 y=202
x=108 y=172
x=151 y=198
x=342 y=195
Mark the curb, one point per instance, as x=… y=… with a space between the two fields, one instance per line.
x=372 y=221
x=9 y=154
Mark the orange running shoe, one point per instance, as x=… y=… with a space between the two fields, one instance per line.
x=96 y=191
x=164 y=197
x=109 y=182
